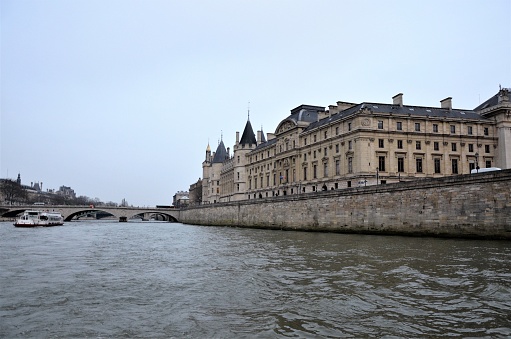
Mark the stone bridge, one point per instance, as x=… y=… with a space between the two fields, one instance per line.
x=69 y=212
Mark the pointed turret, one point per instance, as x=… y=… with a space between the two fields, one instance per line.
x=208 y=153
x=221 y=153
x=248 y=136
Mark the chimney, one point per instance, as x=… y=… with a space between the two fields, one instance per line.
x=446 y=103
x=237 y=138
x=228 y=152
x=259 y=137
x=397 y=100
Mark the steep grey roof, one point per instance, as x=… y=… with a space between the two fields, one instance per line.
x=494 y=100
x=221 y=153
x=263 y=139
x=398 y=110
x=248 y=137
x=307 y=113
x=265 y=144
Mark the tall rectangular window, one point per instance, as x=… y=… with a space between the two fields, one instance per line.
x=380 y=124
x=454 y=163
x=453 y=147
x=350 y=165
x=400 y=144
x=436 y=145
x=417 y=145
x=453 y=129
x=418 y=165
x=381 y=164
x=437 y=165
x=336 y=148
x=469 y=130
x=337 y=167
x=380 y=143
x=305 y=173
x=401 y=165
x=486 y=131
x=399 y=126
x=417 y=127
x=315 y=171
x=471 y=147
x=350 y=145
x=486 y=148
x=325 y=170
x=349 y=126
x=337 y=130
x=435 y=128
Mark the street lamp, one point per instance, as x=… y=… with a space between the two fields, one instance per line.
x=477 y=162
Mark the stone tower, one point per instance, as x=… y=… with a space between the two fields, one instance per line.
x=211 y=171
x=242 y=147
x=206 y=169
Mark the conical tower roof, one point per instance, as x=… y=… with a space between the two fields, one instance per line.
x=221 y=153
x=263 y=139
x=248 y=136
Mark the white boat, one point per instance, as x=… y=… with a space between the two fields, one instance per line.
x=35 y=218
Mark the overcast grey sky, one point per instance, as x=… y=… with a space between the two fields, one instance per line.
x=118 y=99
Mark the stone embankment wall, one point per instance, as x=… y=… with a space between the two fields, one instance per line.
x=477 y=205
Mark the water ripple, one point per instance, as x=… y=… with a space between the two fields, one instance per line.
x=160 y=280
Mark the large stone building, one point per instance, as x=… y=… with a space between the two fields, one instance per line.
x=359 y=144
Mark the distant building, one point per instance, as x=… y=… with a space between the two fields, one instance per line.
x=195 y=195
x=36 y=186
x=180 y=199
x=66 y=192
x=351 y=144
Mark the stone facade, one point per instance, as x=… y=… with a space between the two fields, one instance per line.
x=352 y=145
x=472 y=205
x=196 y=193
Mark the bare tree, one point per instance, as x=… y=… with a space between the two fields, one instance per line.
x=12 y=191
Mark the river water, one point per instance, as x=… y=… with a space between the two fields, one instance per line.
x=101 y=279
